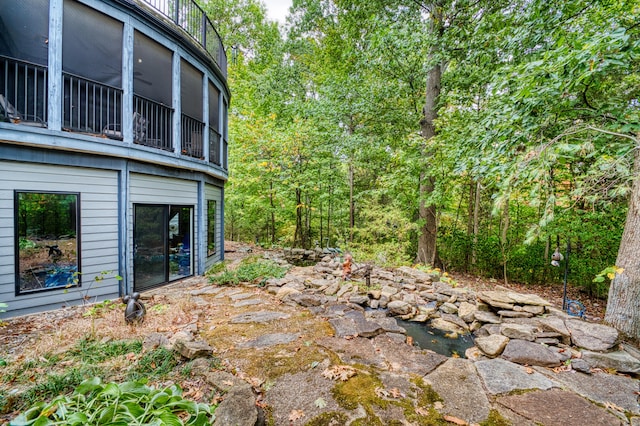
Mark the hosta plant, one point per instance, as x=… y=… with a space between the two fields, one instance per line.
x=124 y=404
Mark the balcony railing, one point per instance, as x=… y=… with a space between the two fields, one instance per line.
x=191 y=18
x=214 y=147
x=152 y=123
x=23 y=91
x=192 y=132
x=89 y=106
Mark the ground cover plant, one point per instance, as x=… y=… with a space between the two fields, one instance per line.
x=123 y=404
x=252 y=269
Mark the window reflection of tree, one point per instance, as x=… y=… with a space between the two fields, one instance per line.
x=47 y=240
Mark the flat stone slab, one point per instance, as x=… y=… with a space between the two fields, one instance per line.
x=620 y=361
x=406 y=358
x=355 y=324
x=457 y=382
x=529 y=353
x=240 y=296
x=267 y=340
x=591 y=336
x=354 y=351
x=602 y=388
x=259 y=317
x=500 y=376
x=389 y=325
x=207 y=290
x=228 y=292
x=306 y=392
x=556 y=407
x=238 y=407
x=248 y=302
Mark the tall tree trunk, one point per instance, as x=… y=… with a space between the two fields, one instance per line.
x=624 y=293
x=476 y=224
x=427 y=249
x=504 y=228
x=297 y=236
x=352 y=207
x=273 y=214
x=470 y=203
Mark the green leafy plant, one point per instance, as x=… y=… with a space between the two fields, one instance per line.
x=26 y=243
x=250 y=271
x=609 y=272
x=75 y=280
x=100 y=308
x=94 y=402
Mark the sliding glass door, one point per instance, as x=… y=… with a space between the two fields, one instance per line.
x=162 y=236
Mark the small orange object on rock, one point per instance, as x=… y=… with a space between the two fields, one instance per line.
x=346 y=267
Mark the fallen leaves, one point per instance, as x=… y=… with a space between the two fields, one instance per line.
x=296 y=415
x=339 y=372
x=562 y=368
x=391 y=393
x=320 y=403
x=455 y=420
x=611 y=406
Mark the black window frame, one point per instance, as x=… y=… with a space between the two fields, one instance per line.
x=211 y=233
x=77 y=280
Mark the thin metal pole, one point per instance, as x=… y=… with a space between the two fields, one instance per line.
x=566 y=272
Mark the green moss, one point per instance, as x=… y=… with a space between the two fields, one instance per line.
x=495 y=419
x=425 y=398
x=280 y=365
x=432 y=418
x=426 y=395
x=331 y=418
x=359 y=390
x=369 y=420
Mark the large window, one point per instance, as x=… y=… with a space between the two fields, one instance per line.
x=211 y=227
x=47 y=240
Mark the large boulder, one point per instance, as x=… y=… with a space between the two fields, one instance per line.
x=591 y=336
x=399 y=307
x=619 y=361
x=529 y=353
x=492 y=345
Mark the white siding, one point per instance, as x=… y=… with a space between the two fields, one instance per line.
x=214 y=193
x=98 y=234
x=148 y=189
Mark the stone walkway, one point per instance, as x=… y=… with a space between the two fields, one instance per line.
x=332 y=363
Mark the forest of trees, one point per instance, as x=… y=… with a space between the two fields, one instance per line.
x=471 y=135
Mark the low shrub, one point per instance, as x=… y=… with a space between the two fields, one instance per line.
x=253 y=270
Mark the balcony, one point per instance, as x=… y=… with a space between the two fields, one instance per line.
x=23 y=92
x=152 y=123
x=107 y=89
x=191 y=18
x=90 y=107
x=192 y=137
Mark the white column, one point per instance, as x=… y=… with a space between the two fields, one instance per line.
x=54 y=107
